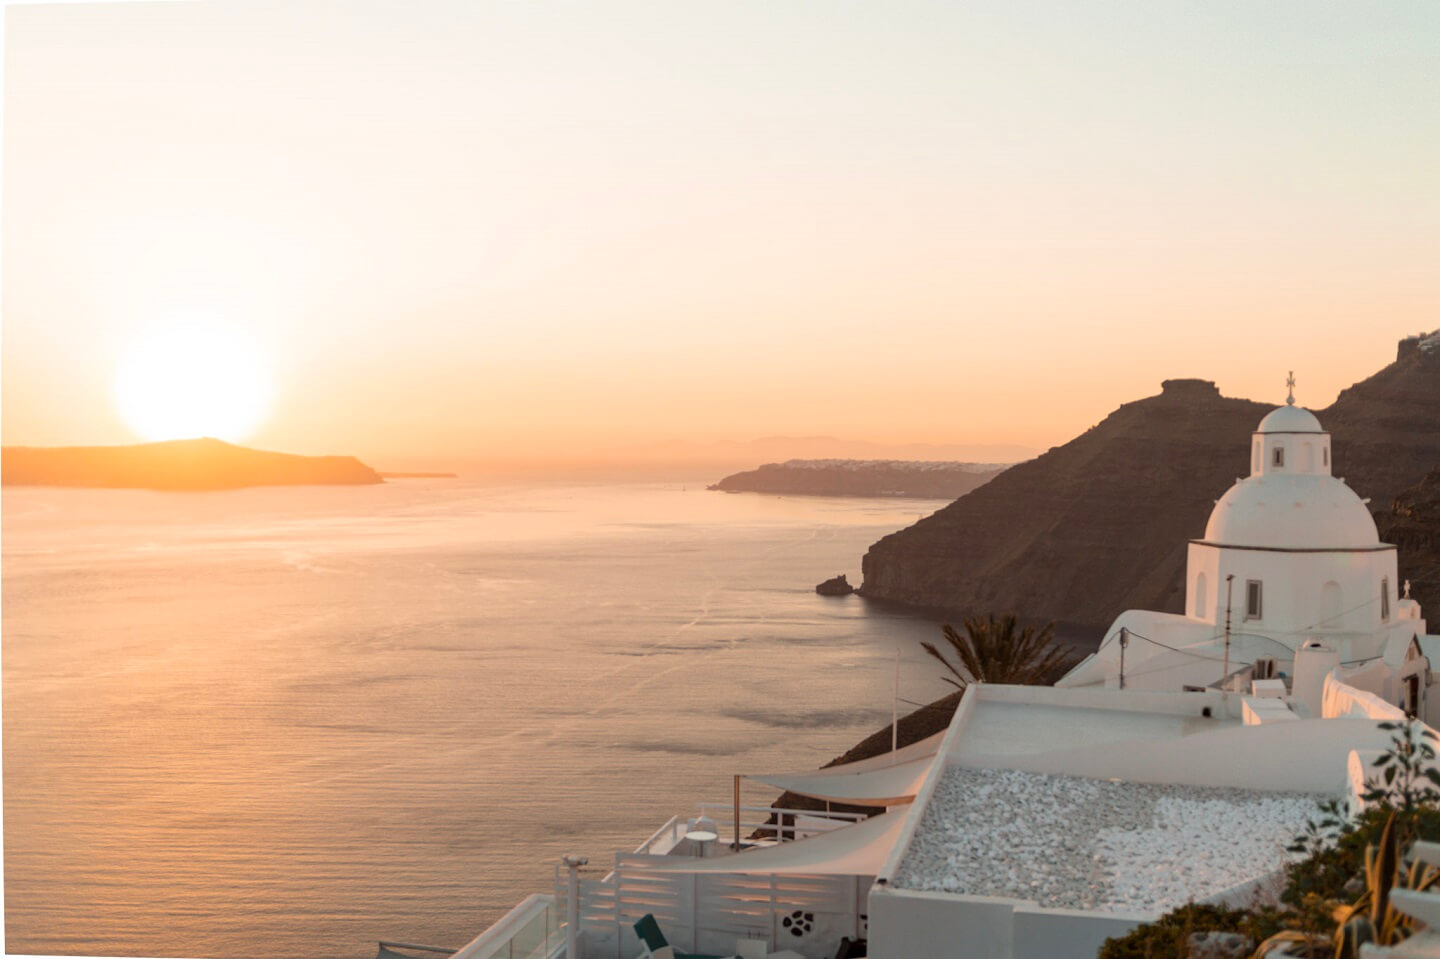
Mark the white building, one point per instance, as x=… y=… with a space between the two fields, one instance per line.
x=1290 y=580
x=1172 y=765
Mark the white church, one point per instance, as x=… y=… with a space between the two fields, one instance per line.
x=1289 y=583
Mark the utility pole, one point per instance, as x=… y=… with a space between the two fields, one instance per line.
x=1229 y=595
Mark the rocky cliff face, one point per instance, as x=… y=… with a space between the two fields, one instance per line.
x=1413 y=524
x=177 y=465
x=1100 y=524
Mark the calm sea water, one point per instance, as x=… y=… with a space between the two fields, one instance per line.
x=290 y=722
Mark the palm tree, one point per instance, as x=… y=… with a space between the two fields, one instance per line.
x=996 y=651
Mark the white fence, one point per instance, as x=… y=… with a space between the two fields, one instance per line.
x=708 y=912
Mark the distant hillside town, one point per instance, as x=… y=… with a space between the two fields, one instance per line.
x=922 y=479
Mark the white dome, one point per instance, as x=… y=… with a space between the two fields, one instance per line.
x=1289 y=419
x=1300 y=511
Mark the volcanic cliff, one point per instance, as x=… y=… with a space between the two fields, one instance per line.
x=1100 y=524
x=1412 y=523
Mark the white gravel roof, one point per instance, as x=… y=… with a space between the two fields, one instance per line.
x=1072 y=843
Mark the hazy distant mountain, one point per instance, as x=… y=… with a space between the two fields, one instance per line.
x=770 y=449
x=1101 y=524
x=176 y=465
x=839 y=477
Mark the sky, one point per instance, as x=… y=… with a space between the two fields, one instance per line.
x=455 y=231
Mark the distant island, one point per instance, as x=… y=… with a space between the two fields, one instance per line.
x=386 y=474
x=924 y=479
x=201 y=464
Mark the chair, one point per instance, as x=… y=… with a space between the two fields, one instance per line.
x=760 y=949
x=752 y=948
x=658 y=947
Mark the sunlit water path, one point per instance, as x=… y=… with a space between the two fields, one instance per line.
x=287 y=723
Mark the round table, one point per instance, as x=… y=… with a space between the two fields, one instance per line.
x=701 y=837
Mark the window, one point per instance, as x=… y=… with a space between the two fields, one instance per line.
x=1325 y=455
x=1385 y=600
x=1280 y=456
x=1254 y=604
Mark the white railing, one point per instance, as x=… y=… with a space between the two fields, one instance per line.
x=674 y=830
x=532 y=930
x=793 y=824
x=388 y=944
x=802 y=822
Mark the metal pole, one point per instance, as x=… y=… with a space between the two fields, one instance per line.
x=1124 y=641
x=572 y=905
x=895 y=709
x=1229 y=594
x=736 y=847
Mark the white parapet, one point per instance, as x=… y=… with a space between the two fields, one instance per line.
x=1268 y=689
x=1258 y=710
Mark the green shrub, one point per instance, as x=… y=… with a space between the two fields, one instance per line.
x=1326 y=870
x=1168 y=937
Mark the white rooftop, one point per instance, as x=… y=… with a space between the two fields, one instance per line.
x=1292 y=511
x=1023 y=728
x=1065 y=842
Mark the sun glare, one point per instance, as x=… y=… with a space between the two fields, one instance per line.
x=191 y=380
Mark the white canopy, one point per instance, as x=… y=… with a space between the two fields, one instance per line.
x=885 y=780
x=858 y=850
x=883 y=786
x=928 y=746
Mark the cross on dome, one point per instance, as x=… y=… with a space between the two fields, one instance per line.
x=1290 y=382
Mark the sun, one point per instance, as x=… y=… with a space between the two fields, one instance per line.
x=193 y=379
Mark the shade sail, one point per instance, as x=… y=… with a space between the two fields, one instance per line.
x=858 y=850
x=928 y=746
x=882 y=786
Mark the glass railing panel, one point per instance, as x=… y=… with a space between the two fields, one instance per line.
x=530 y=940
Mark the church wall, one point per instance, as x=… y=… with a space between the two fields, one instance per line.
x=1203 y=561
x=1278 y=454
x=1294 y=588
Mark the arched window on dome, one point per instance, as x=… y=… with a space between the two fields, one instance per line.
x=1325 y=455
x=1331 y=605
x=1255 y=457
x=1307 y=457
x=1202 y=589
x=1278 y=459
x=1385 y=599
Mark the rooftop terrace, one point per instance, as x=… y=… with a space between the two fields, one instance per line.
x=1071 y=843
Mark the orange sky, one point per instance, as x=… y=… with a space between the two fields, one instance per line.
x=462 y=231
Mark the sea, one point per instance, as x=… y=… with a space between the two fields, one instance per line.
x=291 y=722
